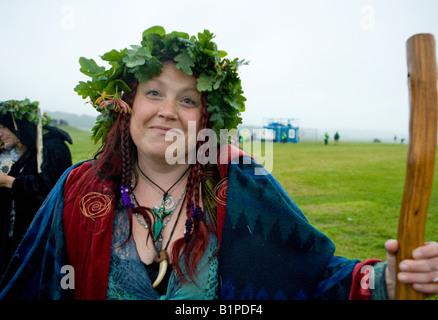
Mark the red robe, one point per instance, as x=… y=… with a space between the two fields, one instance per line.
x=88 y=241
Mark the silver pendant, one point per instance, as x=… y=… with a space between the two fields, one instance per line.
x=169 y=202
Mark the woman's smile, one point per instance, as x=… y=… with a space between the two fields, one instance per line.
x=160 y=129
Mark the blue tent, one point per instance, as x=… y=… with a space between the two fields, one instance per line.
x=283 y=130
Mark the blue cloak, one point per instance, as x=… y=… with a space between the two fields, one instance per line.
x=268 y=248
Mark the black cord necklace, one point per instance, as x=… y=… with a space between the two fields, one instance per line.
x=167 y=202
x=162 y=257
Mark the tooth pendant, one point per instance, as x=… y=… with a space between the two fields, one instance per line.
x=162 y=259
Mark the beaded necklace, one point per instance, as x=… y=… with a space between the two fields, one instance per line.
x=158 y=225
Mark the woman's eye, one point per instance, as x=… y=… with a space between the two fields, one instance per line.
x=188 y=100
x=152 y=93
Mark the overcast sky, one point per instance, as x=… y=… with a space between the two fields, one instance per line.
x=332 y=64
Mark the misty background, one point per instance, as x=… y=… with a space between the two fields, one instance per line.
x=335 y=65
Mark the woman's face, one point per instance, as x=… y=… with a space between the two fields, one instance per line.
x=165 y=103
x=7 y=137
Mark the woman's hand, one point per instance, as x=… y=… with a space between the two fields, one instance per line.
x=421 y=271
x=6 y=181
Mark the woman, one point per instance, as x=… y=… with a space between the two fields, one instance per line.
x=22 y=187
x=135 y=224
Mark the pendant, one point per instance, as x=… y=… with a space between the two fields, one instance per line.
x=168 y=202
x=158 y=227
x=162 y=259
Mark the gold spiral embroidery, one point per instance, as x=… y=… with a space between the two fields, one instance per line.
x=220 y=191
x=95 y=205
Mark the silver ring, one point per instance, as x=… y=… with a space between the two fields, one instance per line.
x=435 y=280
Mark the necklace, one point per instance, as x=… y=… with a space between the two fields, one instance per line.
x=162 y=257
x=167 y=202
x=158 y=225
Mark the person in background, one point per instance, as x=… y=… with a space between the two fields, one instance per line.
x=283 y=137
x=24 y=186
x=336 y=137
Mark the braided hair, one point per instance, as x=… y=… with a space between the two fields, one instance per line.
x=193 y=245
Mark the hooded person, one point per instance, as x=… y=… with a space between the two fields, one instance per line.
x=24 y=186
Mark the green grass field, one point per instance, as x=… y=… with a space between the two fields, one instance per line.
x=351 y=192
x=82 y=148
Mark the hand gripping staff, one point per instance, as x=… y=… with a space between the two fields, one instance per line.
x=422 y=84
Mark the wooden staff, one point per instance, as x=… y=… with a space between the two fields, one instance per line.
x=39 y=141
x=422 y=82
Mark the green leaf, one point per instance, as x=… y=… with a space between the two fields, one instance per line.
x=84 y=89
x=217 y=119
x=209 y=52
x=222 y=54
x=122 y=86
x=113 y=55
x=111 y=88
x=179 y=34
x=156 y=29
x=31 y=117
x=147 y=50
x=212 y=108
x=134 y=58
x=149 y=69
x=97 y=132
x=101 y=78
x=90 y=68
x=117 y=86
x=185 y=62
x=233 y=102
x=217 y=84
x=205 y=37
x=205 y=82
